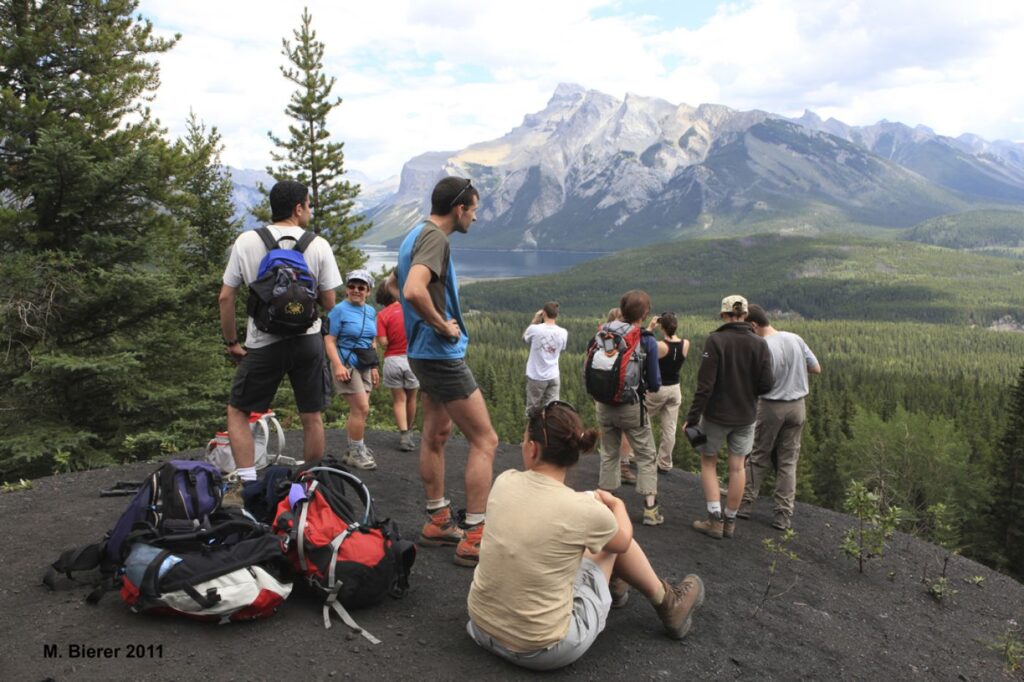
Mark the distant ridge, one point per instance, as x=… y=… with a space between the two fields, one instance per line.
x=592 y=169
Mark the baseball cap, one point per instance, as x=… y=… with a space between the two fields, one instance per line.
x=729 y=304
x=362 y=275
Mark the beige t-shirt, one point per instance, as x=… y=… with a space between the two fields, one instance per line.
x=244 y=264
x=536 y=531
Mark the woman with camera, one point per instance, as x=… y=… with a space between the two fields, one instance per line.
x=663 y=404
x=353 y=358
x=553 y=561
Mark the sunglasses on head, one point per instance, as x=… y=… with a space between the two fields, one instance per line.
x=541 y=415
x=358 y=286
x=469 y=183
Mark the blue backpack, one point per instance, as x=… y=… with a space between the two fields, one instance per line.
x=178 y=496
x=282 y=298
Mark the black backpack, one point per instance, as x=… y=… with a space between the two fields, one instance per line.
x=181 y=493
x=283 y=297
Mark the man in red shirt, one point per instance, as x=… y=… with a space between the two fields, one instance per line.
x=397 y=375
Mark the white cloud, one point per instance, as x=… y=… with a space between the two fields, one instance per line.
x=421 y=76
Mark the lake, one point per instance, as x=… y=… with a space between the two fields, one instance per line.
x=489 y=264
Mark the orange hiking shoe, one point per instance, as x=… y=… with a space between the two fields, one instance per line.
x=440 y=530
x=468 y=551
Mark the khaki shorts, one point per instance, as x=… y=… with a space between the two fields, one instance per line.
x=359 y=382
x=740 y=439
x=591 y=601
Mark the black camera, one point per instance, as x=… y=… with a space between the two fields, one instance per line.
x=696 y=435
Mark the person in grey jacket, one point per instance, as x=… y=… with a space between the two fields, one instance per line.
x=735 y=368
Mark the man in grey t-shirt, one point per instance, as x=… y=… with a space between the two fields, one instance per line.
x=780 y=418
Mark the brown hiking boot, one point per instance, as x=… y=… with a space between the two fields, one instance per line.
x=680 y=603
x=440 y=529
x=728 y=527
x=626 y=474
x=744 y=511
x=781 y=521
x=712 y=527
x=468 y=551
x=620 y=591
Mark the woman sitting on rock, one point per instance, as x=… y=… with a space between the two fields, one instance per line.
x=553 y=561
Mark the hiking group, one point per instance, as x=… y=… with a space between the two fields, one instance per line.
x=549 y=562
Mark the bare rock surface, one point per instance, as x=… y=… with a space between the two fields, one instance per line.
x=822 y=620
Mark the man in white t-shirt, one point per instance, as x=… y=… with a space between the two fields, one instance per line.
x=265 y=358
x=547 y=341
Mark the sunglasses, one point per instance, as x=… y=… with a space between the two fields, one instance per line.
x=542 y=415
x=469 y=184
x=358 y=287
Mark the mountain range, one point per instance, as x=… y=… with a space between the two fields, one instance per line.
x=595 y=172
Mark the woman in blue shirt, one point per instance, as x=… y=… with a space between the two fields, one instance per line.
x=353 y=357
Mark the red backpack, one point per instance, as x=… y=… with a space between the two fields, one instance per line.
x=614 y=367
x=347 y=555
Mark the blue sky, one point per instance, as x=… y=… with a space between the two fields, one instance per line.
x=426 y=75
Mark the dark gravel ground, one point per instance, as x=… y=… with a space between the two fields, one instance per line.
x=823 y=620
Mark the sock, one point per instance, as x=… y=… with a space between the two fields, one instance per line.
x=355 y=443
x=715 y=507
x=434 y=505
x=403 y=431
x=730 y=513
x=474 y=519
x=246 y=473
x=659 y=596
x=650 y=501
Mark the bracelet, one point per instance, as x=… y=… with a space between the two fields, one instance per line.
x=230 y=342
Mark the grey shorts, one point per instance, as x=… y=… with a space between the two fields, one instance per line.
x=541 y=392
x=591 y=602
x=740 y=439
x=398 y=374
x=260 y=372
x=444 y=380
x=360 y=381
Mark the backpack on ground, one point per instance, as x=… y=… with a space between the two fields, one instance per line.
x=282 y=298
x=339 y=546
x=268 y=444
x=229 y=568
x=179 y=491
x=613 y=370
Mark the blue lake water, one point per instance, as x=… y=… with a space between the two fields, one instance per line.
x=488 y=264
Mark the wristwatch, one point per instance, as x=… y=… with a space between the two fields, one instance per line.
x=230 y=342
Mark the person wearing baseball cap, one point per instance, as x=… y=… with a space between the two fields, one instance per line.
x=735 y=368
x=352 y=353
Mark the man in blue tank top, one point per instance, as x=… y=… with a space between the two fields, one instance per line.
x=425 y=284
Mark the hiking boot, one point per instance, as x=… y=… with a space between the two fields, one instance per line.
x=652 y=515
x=728 y=527
x=405 y=442
x=664 y=470
x=240 y=491
x=781 y=521
x=468 y=551
x=680 y=603
x=440 y=530
x=620 y=591
x=712 y=527
x=626 y=473
x=744 y=511
x=359 y=457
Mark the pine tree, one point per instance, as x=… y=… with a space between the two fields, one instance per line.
x=95 y=354
x=1008 y=478
x=309 y=156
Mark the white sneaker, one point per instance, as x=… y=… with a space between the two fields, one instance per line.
x=359 y=458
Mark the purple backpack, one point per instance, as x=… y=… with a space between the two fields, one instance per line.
x=179 y=495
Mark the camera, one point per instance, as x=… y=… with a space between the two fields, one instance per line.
x=696 y=435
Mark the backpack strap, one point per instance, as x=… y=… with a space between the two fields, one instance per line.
x=305 y=240
x=268 y=238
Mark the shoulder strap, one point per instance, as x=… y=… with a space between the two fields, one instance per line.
x=305 y=240
x=268 y=238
